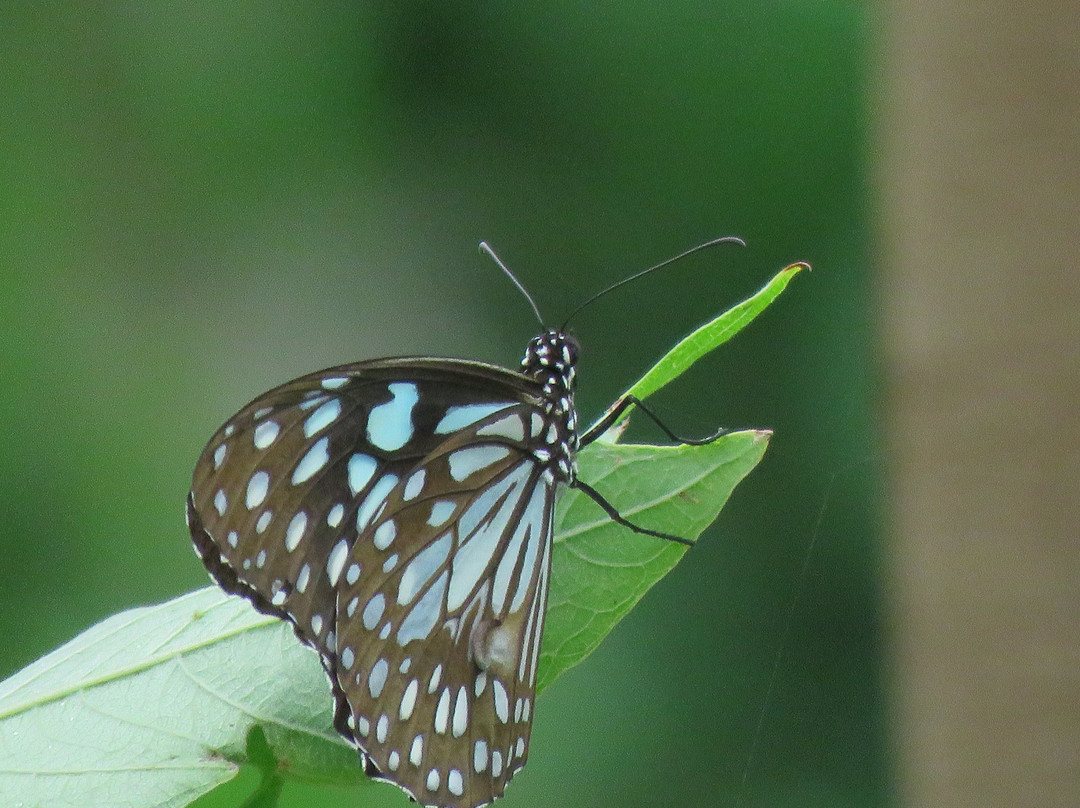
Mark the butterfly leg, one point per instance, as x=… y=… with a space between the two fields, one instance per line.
x=619 y=519
x=613 y=415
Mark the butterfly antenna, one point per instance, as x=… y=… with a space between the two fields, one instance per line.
x=486 y=249
x=661 y=265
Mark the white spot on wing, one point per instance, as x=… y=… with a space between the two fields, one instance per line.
x=362 y=468
x=390 y=425
x=374 y=500
x=384 y=534
x=466 y=462
x=461 y=713
x=423 y=568
x=423 y=617
x=442 y=712
x=257 y=487
x=312 y=462
x=441 y=511
x=454 y=783
x=509 y=427
x=322 y=417
x=377 y=677
x=333 y=519
x=408 y=700
x=373 y=612
x=460 y=417
x=414 y=485
x=477 y=550
x=416 y=751
x=480 y=756
x=335 y=562
x=295 y=531
x=502 y=703
x=265 y=434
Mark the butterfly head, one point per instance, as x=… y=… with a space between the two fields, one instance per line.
x=551 y=358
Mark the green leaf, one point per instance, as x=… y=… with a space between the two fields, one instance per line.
x=158 y=705
x=152 y=707
x=599 y=569
x=706 y=339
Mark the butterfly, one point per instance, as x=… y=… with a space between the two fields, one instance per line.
x=399 y=514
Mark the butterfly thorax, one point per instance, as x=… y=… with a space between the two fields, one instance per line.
x=550 y=360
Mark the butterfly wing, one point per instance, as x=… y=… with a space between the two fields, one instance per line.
x=439 y=634
x=396 y=514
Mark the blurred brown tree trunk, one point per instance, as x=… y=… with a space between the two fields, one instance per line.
x=979 y=130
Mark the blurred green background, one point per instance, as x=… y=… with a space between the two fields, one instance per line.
x=202 y=200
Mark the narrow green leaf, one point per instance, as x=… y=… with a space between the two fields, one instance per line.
x=707 y=338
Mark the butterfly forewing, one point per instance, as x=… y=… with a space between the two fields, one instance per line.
x=399 y=514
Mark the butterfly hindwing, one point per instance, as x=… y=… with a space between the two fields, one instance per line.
x=438 y=635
